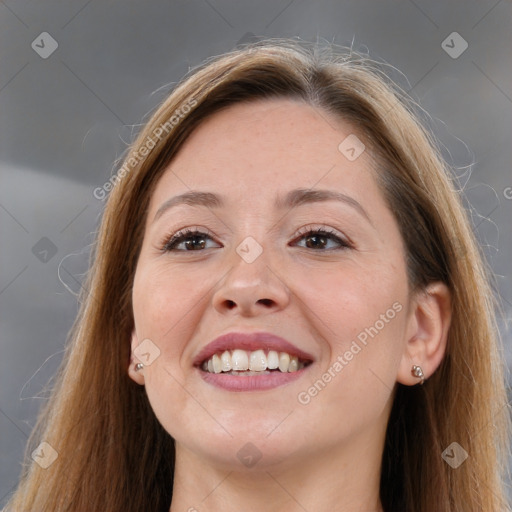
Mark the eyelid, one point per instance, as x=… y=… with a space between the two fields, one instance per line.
x=325 y=228
x=322 y=228
x=174 y=235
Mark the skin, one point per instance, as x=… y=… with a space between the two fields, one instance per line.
x=323 y=455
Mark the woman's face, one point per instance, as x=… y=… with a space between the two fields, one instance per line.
x=338 y=295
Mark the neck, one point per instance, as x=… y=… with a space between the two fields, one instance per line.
x=346 y=479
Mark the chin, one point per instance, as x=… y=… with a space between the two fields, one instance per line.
x=252 y=444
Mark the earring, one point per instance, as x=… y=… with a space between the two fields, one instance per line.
x=138 y=367
x=418 y=372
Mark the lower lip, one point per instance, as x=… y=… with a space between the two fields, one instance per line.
x=250 y=383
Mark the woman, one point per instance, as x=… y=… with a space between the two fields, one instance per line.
x=287 y=310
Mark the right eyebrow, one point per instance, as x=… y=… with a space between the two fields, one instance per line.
x=193 y=198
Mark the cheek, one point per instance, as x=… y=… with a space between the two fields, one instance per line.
x=360 y=317
x=348 y=298
x=162 y=293
x=166 y=304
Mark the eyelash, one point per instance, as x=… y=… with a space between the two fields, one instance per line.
x=168 y=243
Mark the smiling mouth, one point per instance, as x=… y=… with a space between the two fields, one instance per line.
x=253 y=363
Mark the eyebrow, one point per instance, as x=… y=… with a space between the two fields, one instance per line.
x=292 y=199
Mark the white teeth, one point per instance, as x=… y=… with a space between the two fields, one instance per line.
x=241 y=362
x=273 y=360
x=258 y=361
x=226 y=361
x=217 y=365
x=284 y=361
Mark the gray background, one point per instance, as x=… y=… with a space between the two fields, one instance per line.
x=65 y=119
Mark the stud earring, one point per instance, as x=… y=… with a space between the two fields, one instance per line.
x=418 y=372
x=138 y=367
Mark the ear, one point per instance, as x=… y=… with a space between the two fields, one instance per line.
x=426 y=332
x=138 y=376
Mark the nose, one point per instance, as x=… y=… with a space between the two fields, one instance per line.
x=251 y=289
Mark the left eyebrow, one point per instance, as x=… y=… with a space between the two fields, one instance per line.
x=292 y=199
x=301 y=196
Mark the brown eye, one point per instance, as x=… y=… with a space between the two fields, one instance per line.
x=319 y=239
x=190 y=239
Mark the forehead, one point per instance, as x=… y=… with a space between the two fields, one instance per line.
x=255 y=149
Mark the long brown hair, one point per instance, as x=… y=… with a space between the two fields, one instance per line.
x=114 y=455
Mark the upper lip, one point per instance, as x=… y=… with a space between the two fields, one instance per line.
x=249 y=341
